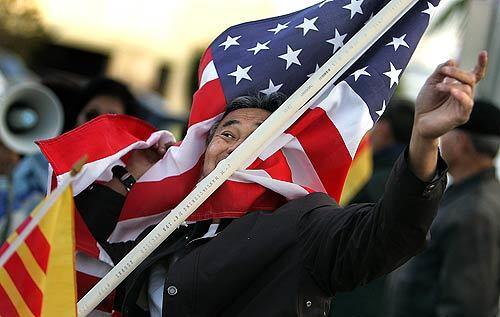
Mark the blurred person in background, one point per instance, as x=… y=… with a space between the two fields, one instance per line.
x=8 y=160
x=459 y=273
x=104 y=96
x=99 y=96
x=389 y=137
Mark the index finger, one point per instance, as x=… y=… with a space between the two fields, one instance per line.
x=482 y=63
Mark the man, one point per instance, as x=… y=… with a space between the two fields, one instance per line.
x=459 y=273
x=389 y=137
x=291 y=261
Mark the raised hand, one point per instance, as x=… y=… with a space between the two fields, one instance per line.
x=446 y=99
x=444 y=102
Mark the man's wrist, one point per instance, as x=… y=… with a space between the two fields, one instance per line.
x=124 y=176
x=423 y=154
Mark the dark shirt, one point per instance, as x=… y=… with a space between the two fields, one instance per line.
x=459 y=273
x=289 y=262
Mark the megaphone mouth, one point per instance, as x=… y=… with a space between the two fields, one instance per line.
x=21 y=117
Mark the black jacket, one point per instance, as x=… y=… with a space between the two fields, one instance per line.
x=289 y=262
x=458 y=275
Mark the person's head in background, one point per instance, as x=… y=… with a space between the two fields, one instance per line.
x=105 y=96
x=394 y=126
x=472 y=147
x=67 y=91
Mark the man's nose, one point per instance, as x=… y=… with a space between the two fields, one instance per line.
x=232 y=147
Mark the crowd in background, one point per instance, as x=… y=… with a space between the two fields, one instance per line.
x=458 y=274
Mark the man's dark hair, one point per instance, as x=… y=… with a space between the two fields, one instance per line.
x=103 y=86
x=485 y=144
x=399 y=114
x=269 y=102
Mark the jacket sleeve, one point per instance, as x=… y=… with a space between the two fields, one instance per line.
x=346 y=247
x=469 y=264
x=100 y=208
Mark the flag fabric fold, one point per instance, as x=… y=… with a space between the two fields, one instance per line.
x=38 y=279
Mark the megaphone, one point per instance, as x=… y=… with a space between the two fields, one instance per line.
x=29 y=112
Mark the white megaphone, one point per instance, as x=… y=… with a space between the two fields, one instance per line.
x=29 y=112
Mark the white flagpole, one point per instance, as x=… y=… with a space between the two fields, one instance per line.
x=46 y=205
x=275 y=124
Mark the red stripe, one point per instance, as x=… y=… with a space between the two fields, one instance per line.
x=85 y=283
x=39 y=247
x=205 y=60
x=85 y=242
x=4 y=247
x=325 y=148
x=7 y=308
x=245 y=197
x=208 y=102
x=158 y=200
x=24 y=284
x=276 y=166
x=23 y=224
x=99 y=138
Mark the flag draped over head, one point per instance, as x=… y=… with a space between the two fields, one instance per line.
x=272 y=55
x=38 y=278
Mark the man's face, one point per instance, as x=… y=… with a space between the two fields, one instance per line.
x=452 y=146
x=230 y=133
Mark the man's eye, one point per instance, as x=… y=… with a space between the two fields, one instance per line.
x=227 y=135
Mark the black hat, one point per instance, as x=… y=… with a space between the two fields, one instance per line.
x=484 y=119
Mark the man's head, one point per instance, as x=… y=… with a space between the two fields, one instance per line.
x=395 y=125
x=243 y=115
x=105 y=95
x=476 y=141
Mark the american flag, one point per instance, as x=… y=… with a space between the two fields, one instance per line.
x=265 y=56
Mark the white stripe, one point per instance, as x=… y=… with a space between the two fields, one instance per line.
x=303 y=172
x=348 y=112
x=288 y=190
x=209 y=74
x=49 y=178
x=130 y=229
x=91 y=266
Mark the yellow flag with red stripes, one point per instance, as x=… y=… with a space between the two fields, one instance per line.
x=37 y=276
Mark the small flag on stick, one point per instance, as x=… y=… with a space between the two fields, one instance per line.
x=37 y=265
